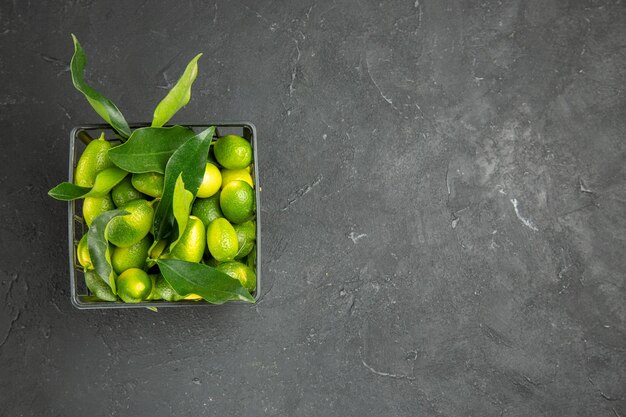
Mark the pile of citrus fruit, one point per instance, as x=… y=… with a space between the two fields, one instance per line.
x=171 y=213
x=220 y=231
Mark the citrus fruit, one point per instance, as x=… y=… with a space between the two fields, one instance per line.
x=124 y=192
x=133 y=256
x=149 y=183
x=246 y=235
x=191 y=245
x=95 y=206
x=239 y=271
x=98 y=287
x=82 y=253
x=211 y=182
x=94 y=159
x=129 y=229
x=207 y=209
x=165 y=290
x=229 y=175
x=222 y=240
x=233 y=152
x=133 y=285
x=237 y=201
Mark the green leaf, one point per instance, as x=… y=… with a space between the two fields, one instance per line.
x=148 y=149
x=190 y=161
x=105 y=181
x=178 y=96
x=99 y=247
x=214 y=286
x=66 y=191
x=181 y=207
x=102 y=105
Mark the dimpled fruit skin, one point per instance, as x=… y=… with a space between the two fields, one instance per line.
x=237 y=201
x=94 y=159
x=222 y=240
x=124 y=192
x=207 y=209
x=95 y=206
x=133 y=256
x=233 y=152
x=129 y=229
x=239 y=271
x=229 y=175
x=190 y=247
x=149 y=183
x=246 y=237
x=133 y=285
x=211 y=181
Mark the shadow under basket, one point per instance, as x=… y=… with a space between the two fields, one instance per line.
x=80 y=136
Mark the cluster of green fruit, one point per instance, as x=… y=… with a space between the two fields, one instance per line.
x=220 y=230
x=171 y=213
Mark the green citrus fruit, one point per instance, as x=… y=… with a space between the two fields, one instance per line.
x=239 y=271
x=237 y=201
x=133 y=285
x=246 y=236
x=95 y=206
x=165 y=290
x=94 y=159
x=149 y=183
x=98 y=287
x=133 y=256
x=207 y=209
x=222 y=240
x=82 y=253
x=233 y=152
x=191 y=245
x=124 y=192
x=211 y=182
x=124 y=231
x=229 y=175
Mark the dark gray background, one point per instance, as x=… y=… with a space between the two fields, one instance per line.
x=443 y=209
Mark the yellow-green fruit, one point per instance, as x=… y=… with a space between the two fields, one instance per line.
x=94 y=159
x=124 y=192
x=246 y=237
x=233 y=152
x=211 y=182
x=149 y=183
x=98 y=287
x=129 y=229
x=239 y=271
x=95 y=206
x=229 y=175
x=82 y=253
x=191 y=245
x=165 y=290
x=222 y=240
x=237 y=201
x=133 y=256
x=207 y=209
x=133 y=285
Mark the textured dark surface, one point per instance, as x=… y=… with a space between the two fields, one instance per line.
x=443 y=200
